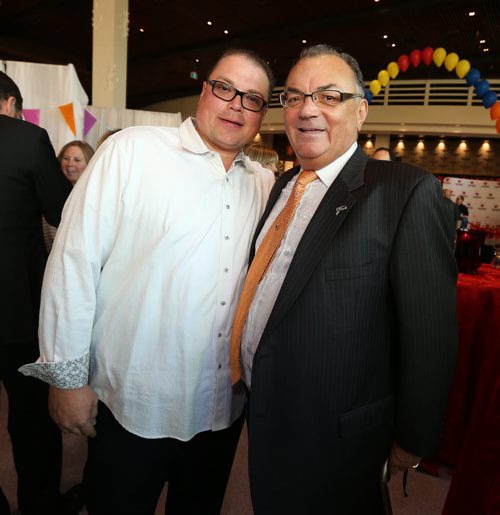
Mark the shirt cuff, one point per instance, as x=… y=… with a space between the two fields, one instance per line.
x=66 y=375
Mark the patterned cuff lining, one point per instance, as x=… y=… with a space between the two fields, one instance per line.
x=66 y=375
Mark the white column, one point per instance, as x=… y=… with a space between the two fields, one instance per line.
x=109 y=53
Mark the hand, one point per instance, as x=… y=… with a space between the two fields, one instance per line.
x=399 y=459
x=74 y=411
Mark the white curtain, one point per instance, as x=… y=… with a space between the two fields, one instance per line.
x=46 y=87
x=109 y=118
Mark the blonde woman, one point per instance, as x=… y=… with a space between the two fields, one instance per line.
x=266 y=156
x=73 y=158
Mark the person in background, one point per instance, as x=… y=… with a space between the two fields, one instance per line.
x=105 y=135
x=452 y=214
x=31 y=185
x=463 y=212
x=384 y=154
x=139 y=296
x=73 y=158
x=347 y=320
x=266 y=156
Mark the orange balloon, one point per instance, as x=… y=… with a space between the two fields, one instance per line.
x=495 y=111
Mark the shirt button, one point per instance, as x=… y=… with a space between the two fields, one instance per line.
x=220 y=335
x=219 y=366
x=227 y=206
x=222 y=302
x=226 y=237
x=226 y=269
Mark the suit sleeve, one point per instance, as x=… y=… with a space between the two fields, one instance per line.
x=423 y=278
x=51 y=185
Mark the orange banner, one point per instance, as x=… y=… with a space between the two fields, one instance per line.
x=68 y=115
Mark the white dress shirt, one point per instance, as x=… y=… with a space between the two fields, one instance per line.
x=143 y=279
x=269 y=287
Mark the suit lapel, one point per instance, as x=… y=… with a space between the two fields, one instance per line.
x=329 y=217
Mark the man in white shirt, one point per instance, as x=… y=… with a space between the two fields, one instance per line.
x=139 y=296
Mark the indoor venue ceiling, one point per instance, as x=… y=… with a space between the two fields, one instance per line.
x=168 y=39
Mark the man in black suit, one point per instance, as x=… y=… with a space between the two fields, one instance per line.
x=350 y=340
x=31 y=185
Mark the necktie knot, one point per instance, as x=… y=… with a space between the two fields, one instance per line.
x=306 y=176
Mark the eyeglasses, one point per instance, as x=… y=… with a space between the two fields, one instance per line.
x=226 y=92
x=322 y=97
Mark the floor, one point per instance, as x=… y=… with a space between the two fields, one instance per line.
x=426 y=493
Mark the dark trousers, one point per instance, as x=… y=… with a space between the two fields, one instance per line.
x=36 y=440
x=125 y=473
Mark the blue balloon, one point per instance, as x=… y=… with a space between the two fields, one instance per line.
x=473 y=77
x=489 y=98
x=368 y=96
x=482 y=87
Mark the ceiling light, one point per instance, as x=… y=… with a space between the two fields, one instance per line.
x=226 y=32
x=472 y=13
x=141 y=30
x=197 y=60
x=393 y=45
x=385 y=36
x=209 y=23
x=481 y=41
x=304 y=41
x=486 y=49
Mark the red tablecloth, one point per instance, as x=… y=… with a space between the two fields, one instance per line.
x=471 y=438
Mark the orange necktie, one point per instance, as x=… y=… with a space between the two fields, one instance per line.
x=260 y=263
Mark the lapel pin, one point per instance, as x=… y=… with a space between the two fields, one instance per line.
x=339 y=210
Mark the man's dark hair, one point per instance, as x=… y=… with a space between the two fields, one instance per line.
x=254 y=58
x=319 y=50
x=8 y=88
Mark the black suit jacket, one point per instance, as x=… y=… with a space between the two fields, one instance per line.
x=360 y=346
x=31 y=185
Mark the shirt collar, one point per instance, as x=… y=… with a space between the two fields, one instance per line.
x=330 y=172
x=192 y=141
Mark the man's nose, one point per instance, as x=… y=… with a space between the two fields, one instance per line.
x=236 y=103
x=308 y=108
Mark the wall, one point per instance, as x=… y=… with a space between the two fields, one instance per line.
x=446 y=156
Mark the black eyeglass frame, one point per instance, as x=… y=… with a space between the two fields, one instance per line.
x=343 y=97
x=237 y=92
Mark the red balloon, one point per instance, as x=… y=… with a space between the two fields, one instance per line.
x=426 y=54
x=415 y=57
x=495 y=111
x=403 y=62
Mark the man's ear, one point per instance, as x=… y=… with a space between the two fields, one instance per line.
x=8 y=107
x=362 y=112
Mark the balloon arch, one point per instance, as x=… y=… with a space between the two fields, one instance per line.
x=451 y=62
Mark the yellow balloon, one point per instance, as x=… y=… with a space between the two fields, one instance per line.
x=393 y=69
x=438 y=56
x=375 y=87
x=462 y=68
x=383 y=77
x=451 y=61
